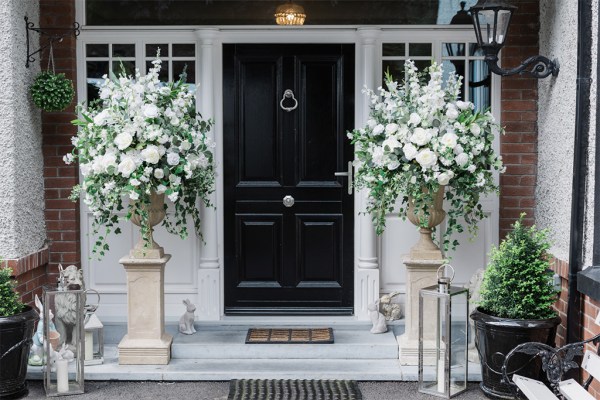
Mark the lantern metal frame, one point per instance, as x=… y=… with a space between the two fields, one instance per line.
x=535 y=66
x=97 y=347
x=56 y=370
x=443 y=293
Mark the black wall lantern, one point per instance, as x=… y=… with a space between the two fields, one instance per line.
x=491 y=19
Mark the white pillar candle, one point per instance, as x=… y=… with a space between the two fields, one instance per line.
x=62 y=376
x=441 y=376
x=89 y=345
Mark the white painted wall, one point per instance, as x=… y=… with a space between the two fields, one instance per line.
x=22 y=226
x=556 y=123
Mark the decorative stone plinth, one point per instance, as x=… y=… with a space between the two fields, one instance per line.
x=419 y=274
x=146 y=341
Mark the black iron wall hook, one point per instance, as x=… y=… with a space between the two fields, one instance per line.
x=49 y=33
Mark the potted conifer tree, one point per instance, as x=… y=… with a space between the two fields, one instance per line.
x=17 y=323
x=517 y=295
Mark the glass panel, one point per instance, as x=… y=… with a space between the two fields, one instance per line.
x=123 y=50
x=190 y=70
x=394 y=49
x=163 y=75
x=184 y=50
x=94 y=72
x=126 y=67
x=502 y=27
x=422 y=64
x=244 y=12
x=453 y=50
x=152 y=49
x=419 y=49
x=395 y=68
x=458 y=67
x=480 y=83
x=486 y=25
x=459 y=345
x=96 y=50
x=475 y=50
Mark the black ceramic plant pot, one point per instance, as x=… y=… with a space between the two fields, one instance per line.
x=15 y=341
x=495 y=337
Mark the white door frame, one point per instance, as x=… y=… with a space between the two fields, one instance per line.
x=367 y=40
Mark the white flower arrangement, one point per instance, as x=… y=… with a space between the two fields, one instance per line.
x=141 y=136
x=419 y=137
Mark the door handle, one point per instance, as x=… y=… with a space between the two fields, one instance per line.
x=288 y=201
x=288 y=94
x=347 y=174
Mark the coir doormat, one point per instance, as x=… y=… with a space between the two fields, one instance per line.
x=285 y=335
x=298 y=389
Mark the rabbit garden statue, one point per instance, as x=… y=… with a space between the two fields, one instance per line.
x=391 y=310
x=186 y=322
x=63 y=354
x=377 y=318
x=36 y=355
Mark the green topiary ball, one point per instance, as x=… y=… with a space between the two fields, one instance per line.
x=52 y=92
x=9 y=298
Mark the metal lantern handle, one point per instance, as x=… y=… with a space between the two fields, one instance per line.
x=91 y=308
x=288 y=94
x=442 y=268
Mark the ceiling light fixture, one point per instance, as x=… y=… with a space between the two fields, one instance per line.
x=290 y=14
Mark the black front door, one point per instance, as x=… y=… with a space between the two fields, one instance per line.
x=293 y=256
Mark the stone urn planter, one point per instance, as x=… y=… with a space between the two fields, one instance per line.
x=146 y=341
x=425 y=249
x=16 y=332
x=495 y=337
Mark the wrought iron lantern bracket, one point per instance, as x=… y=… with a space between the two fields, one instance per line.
x=52 y=34
x=535 y=66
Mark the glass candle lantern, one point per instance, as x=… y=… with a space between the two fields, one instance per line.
x=94 y=333
x=63 y=371
x=447 y=377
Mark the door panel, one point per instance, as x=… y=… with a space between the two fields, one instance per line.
x=297 y=259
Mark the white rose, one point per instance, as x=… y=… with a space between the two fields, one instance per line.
x=475 y=129
x=410 y=151
x=414 y=119
x=392 y=165
x=172 y=158
x=134 y=195
x=160 y=189
x=378 y=130
x=449 y=140
x=135 y=182
x=458 y=149
x=420 y=136
x=426 y=158
x=185 y=145
x=159 y=173
x=443 y=178
x=150 y=154
x=462 y=159
x=392 y=143
x=391 y=128
x=126 y=166
x=150 y=111
x=377 y=156
x=102 y=117
x=452 y=113
x=463 y=105
x=471 y=168
x=109 y=160
x=173 y=196
x=371 y=123
x=123 y=140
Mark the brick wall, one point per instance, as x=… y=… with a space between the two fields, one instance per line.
x=519 y=117
x=62 y=215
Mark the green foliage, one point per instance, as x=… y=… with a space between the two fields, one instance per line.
x=9 y=298
x=52 y=92
x=517 y=283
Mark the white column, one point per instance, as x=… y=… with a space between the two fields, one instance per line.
x=209 y=274
x=367 y=268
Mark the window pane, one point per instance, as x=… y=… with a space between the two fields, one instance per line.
x=152 y=49
x=190 y=69
x=126 y=67
x=163 y=75
x=422 y=64
x=393 y=49
x=395 y=68
x=94 y=72
x=96 y=50
x=453 y=49
x=184 y=50
x=419 y=49
x=480 y=85
x=475 y=50
x=123 y=50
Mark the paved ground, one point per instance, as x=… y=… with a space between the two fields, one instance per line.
x=218 y=391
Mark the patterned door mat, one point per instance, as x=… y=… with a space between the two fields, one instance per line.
x=298 y=389
x=285 y=335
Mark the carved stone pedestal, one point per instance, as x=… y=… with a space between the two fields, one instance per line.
x=146 y=341
x=419 y=274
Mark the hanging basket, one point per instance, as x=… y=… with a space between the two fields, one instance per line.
x=52 y=92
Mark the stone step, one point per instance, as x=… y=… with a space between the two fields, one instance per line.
x=226 y=369
x=229 y=343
